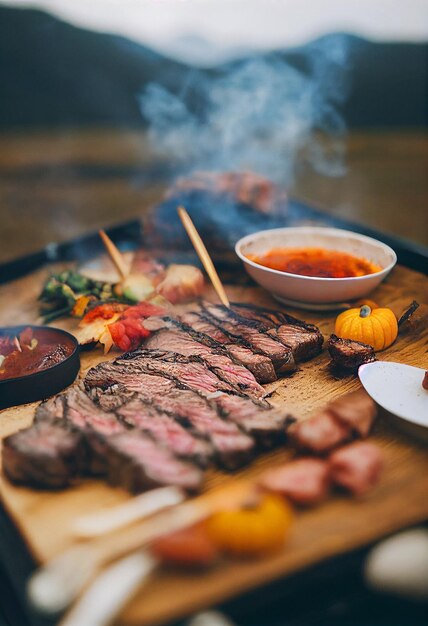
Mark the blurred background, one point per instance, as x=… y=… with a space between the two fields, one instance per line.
x=104 y=103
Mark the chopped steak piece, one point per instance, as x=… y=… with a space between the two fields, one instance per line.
x=232 y=447
x=304 y=481
x=356 y=467
x=259 y=365
x=356 y=410
x=252 y=336
x=166 y=431
x=348 y=354
x=136 y=462
x=318 y=434
x=305 y=340
x=49 y=454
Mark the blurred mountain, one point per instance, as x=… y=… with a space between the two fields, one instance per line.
x=53 y=73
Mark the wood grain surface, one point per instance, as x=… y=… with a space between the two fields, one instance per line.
x=341 y=524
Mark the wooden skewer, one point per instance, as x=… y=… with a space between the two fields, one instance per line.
x=202 y=253
x=115 y=254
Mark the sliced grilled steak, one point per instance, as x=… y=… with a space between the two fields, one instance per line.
x=258 y=419
x=83 y=414
x=349 y=355
x=51 y=409
x=76 y=408
x=179 y=337
x=190 y=370
x=250 y=334
x=137 y=463
x=232 y=447
x=258 y=364
x=166 y=431
x=305 y=340
x=49 y=454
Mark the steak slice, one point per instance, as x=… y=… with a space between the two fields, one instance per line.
x=349 y=355
x=259 y=365
x=164 y=429
x=188 y=341
x=232 y=447
x=137 y=463
x=305 y=340
x=257 y=419
x=190 y=370
x=252 y=336
x=49 y=454
x=76 y=408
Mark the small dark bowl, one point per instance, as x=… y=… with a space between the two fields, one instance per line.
x=40 y=385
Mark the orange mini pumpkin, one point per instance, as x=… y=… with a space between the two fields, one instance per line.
x=376 y=327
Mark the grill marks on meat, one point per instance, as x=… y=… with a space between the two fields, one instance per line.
x=254 y=417
x=259 y=365
x=181 y=338
x=348 y=355
x=49 y=454
x=136 y=462
x=190 y=396
x=252 y=335
x=166 y=431
x=232 y=447
x=305 y=340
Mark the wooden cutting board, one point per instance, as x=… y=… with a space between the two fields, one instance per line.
x=341 y=524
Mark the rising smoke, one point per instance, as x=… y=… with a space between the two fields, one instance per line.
x=271 y=114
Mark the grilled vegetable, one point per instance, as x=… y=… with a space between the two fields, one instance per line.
x=375 y=327
x=61 y=294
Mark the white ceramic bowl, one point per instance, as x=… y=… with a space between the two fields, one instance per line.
x=308 y=291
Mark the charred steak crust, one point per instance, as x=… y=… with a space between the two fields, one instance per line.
x=348 y=354
x=232 y=447
x=230 y=359
x=49 y=454
x=255 y=417
x=305 y=340
x=251 y=336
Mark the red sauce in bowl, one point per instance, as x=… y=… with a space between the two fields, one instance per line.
x=316 y=262
x=31 y=351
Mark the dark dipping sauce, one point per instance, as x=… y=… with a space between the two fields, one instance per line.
x=32 y=351
x=316 y=262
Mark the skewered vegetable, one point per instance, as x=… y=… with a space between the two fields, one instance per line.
x=61 y=294
x=375 y=327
